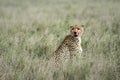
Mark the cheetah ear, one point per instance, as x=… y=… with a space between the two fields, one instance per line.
x=82 y=25
x=71 y=26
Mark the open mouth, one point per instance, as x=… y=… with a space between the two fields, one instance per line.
x=75 y=35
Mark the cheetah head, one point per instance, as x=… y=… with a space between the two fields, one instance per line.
x=76 y=30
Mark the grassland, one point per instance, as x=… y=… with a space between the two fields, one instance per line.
x=31 y=30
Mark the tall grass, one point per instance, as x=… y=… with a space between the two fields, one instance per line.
x=31 y=30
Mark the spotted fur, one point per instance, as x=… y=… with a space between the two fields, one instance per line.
x=71 y=45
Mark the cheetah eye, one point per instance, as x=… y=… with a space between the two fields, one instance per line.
x=72 y=28
x=78 y=28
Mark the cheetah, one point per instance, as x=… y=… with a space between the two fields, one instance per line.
x=71 y=45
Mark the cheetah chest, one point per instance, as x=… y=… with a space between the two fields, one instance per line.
x=74 y=46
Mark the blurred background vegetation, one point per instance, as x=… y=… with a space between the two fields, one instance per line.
x=31 y=30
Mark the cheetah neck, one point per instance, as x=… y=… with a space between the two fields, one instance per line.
x=77 y=39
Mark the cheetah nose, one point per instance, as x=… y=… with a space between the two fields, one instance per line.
x=75 y=32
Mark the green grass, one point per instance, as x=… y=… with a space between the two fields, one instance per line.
x=31 y=30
